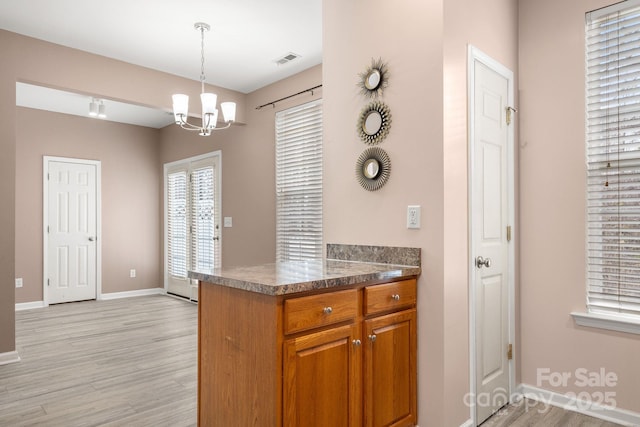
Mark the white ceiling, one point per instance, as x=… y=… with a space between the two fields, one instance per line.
x=246 y=37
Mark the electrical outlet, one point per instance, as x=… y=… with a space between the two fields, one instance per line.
x=413 y=216
x=228 y=221
x=132 y=273
x=19 y=282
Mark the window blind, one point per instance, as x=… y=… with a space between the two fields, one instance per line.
x=177 y=224
x=613 y=159
x=203 y=223
x=299 y=182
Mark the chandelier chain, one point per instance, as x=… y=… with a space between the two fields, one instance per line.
x=202 y=76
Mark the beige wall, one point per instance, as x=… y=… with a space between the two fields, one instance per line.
x=409 y=38
x=248 y=168
x=425 y=46
x=552 y=206
x=130 y=197
x=7 y=193
x=492 y=27
x=33 y=61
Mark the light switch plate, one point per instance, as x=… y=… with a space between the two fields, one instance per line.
x=228 y=221
x=413 y=216
x=19 y=282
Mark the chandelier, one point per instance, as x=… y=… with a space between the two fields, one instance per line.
x=209 y=110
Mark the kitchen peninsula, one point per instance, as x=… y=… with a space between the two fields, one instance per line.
x=317 y=342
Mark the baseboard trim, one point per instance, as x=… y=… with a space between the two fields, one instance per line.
x=29 y=305
x=468 y=423
x=607 y=413
x=129 y=294
x=9 y=357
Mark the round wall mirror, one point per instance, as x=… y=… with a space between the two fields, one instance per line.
x=374 y=123
x=372 y=81
x=373 y=168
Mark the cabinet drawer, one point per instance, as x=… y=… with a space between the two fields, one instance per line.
x=380 y=298
x=319 y=310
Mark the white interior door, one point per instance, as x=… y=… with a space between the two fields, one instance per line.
x=192 y=212
x=71 y=231
x=490 y=235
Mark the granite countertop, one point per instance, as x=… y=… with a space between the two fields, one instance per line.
x=283 y=278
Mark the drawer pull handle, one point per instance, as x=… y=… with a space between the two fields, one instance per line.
x=373 y=337
x=395 y=297
x=357 y=343
x=327 y=310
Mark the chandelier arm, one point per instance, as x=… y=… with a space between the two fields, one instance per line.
x=228 y=125
x=191 y=127
x=188 y=126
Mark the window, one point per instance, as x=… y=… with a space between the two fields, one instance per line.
x=299 y=182
x=613 y=159
x=192 y=220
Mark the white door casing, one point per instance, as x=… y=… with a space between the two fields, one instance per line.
x=71 y=216
x=491 y=253
x=192 y=220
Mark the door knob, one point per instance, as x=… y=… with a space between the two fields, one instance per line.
x=91 y=239
x=483 y=262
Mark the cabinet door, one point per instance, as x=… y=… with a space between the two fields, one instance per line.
x=390 y=370
x=322 y=379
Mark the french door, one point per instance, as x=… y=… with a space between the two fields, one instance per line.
x=192 y=221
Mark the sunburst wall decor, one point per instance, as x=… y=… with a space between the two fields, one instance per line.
x=374 y=80
x=373 y=168
x=374 y=123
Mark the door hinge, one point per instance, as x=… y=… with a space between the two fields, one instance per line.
x=510 y=352
x=510 y=111
x=508 y=233
x=48 y=282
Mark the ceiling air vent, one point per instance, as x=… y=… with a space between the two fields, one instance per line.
x=286 y=58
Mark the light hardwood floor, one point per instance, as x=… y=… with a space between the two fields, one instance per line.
x=528 y=413
x=127 y=362
x=132 y=362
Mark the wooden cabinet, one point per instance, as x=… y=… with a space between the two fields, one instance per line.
x=390 y=370
x=332 y=358
x=322 y=376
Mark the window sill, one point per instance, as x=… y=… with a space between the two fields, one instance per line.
x=607 y=321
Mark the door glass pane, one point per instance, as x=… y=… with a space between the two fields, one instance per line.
x=177 y=223
x=202 y=205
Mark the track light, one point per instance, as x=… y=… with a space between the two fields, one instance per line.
x=93 y=108
x=97 y=108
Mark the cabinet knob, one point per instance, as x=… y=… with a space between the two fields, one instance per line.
x=327 y=310
x=395 y=297
x=357 y=343
x=372 y=337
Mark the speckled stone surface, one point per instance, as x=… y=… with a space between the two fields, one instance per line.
x=377 y=254
x=284 y=278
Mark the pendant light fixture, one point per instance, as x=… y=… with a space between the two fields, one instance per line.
x=209 y=110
